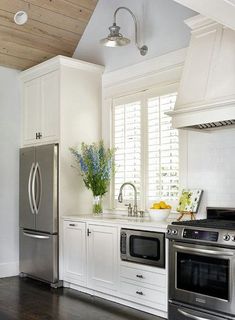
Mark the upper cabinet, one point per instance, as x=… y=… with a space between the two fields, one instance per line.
x=41 y=109
x=54 y=88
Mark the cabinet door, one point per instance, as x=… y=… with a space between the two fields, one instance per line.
x=74 y=252
x=50 y=107
x=102 y=257
x=31 y=110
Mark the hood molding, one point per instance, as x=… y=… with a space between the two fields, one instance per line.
x=207 y=86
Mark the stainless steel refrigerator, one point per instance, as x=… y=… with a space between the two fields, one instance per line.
x=39 y=213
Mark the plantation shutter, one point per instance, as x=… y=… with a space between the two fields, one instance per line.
x=163 y=150
x=127 y=141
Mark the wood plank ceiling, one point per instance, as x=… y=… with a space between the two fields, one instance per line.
x=54 y=27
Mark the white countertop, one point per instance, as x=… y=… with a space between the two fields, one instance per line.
x=120 y=220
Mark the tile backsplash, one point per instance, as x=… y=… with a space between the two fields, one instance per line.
x=211 y=167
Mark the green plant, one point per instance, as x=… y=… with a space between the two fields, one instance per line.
x=96 y=164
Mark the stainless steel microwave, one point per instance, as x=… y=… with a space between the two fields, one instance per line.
x=145 y=247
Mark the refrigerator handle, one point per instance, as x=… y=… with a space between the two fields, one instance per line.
x=36 y=236
x=33 y=189
x=29 y=188
x=40 y=186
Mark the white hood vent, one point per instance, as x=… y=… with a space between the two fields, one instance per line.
x=206 y=97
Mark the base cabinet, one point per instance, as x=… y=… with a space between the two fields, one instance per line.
x=102 y=257
x=92 y=264
x=74 y=248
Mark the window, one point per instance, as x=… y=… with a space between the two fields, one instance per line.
x=147 y=148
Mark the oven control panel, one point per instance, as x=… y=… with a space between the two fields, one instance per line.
x=195 y=234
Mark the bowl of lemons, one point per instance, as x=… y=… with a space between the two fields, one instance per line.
x=159 y=211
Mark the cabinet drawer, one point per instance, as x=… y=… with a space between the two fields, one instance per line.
x=145 y=296
x=73 y=224
x=144 y=277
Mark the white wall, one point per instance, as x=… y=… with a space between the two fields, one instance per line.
x=162 y=30
x=211 y=166
x=9 y=144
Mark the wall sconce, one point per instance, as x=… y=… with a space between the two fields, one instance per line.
x=116 y=39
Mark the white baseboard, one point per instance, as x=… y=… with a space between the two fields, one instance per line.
x=9 y=269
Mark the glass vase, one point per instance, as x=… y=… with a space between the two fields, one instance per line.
x=97 y=205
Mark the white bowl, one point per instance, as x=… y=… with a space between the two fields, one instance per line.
x=159 y=214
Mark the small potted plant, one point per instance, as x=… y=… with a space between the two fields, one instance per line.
x=96 y=164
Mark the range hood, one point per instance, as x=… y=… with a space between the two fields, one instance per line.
x=206 y=96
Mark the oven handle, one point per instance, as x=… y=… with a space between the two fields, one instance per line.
x=192 y=316
x=212 y=252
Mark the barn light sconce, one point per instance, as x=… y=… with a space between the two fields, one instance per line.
x=21 y=17
x=116 y=39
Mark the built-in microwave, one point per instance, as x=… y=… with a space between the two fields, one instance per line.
x=145 y=247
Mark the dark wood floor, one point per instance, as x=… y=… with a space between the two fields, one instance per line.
x=26 y=299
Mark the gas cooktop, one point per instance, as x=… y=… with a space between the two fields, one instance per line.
x=208 y=223
x=217 y=229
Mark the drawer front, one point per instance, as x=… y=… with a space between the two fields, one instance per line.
x=144 y=277
x=153 y=298
x=74 y=224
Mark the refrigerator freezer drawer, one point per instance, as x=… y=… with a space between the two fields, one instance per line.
x=39 y=255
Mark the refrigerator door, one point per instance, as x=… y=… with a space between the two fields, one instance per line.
x=45 y=188
x=39 y=255
x=27 y=209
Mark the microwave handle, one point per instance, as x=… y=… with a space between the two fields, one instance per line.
x=211 y=252
x=191 y=316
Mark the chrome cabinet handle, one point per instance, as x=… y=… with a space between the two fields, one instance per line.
x=36 y=236
x=139 y=276
x=139 y=293
x=191 y=316
x=72 y=224
x=29 y=189
x=88 y=232
x=212 y=252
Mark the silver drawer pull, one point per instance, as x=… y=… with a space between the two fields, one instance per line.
x=191 y=316
x=139 y=293
x=72 y=225
x=139 y=276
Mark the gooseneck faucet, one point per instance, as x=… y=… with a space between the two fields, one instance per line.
x=120 y=198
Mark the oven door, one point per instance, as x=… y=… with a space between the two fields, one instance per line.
x=146 y=247
x=202 y=276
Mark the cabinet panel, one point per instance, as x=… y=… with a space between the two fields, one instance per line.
x=50 y=106
x=102 y=257
x=74 y=252
x=31 y=110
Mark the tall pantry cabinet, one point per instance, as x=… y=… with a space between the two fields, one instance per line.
x=61 y=103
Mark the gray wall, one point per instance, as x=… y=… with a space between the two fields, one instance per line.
x=162 y=29
x=9 y=144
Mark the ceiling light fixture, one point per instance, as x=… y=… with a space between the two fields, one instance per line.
x=116 y=39
x=21 y=17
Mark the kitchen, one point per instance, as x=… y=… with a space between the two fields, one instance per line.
x=205 y=159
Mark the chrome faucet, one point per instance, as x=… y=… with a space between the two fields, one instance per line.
x=120 y=199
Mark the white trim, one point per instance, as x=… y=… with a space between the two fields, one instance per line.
x=9 y=269
x=55 y=63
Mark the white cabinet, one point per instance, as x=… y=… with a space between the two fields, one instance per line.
x=102 y=257
x=74 y=252
x=41 y=109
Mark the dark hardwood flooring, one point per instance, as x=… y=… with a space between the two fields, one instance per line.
x=26 y=299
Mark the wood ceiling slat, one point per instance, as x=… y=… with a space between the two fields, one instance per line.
x=22 y=38
x=54 y=27
x=60 y=6
x=89 y=4
x=40 y=29
x=24 y=52
x=43 y=15
x=15 y=62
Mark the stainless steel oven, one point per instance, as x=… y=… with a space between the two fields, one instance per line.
x=202 y=275
x=143 y=247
